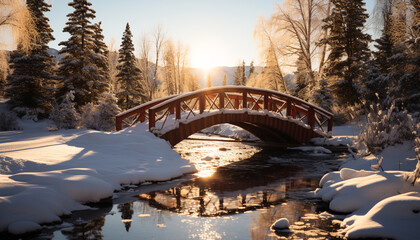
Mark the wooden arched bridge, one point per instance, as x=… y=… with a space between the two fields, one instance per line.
x=267 y=114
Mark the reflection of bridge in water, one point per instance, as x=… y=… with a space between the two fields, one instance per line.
x=201 y=200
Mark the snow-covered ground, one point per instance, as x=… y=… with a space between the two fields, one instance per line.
x=231 y=131
x=45 y=174
x=379 y=203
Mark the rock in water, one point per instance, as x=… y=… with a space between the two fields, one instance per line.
x=282 y=223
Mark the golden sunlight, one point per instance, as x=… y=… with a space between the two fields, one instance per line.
x=206 y=58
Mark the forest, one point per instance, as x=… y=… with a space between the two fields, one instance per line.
x=325 y=45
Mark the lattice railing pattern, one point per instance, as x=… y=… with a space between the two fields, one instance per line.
x=164 y=112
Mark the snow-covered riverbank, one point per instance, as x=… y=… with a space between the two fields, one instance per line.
x=382 y=204
x=45 y=174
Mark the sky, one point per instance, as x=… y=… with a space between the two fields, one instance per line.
x=218 y=32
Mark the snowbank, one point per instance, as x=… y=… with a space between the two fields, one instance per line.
x=231 y=131
x=45 y=174
x=381 y=204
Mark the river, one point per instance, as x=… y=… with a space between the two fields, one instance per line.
x=240 y=189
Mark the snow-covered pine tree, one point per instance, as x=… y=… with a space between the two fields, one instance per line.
x=65 y=115
x=251 y=69
x=321 y=96
x=131 y=92
x=301 y=89
x=243 y=74
x=106 y=111
x=30 y=84
x=77 y=69
x=224 y=83
x=272 y=74
x=349 y=48
x=237 y=77
x=101 y=61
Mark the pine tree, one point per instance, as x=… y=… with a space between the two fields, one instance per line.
x=251 y=69
x=240 y=76
x=321 y=96
x=106 y=112
x=301 y=89
x=65 y=115
x=272 y=74
x=224 y=83
x=101 y=61
x=237 y=77
x=77 y=69
x=349 y=48
x=243 y=75
x=30 y=84
x=131 y=93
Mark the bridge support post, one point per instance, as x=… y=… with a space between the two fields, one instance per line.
x=289 y=107
x=221 y=100
x=266 y=105
x=311 y=118
x=152 y=120
x=330 y=124
x=202 y=103
x=245 y=99
x=178 y=110
x=142 y=116
x=118 y=123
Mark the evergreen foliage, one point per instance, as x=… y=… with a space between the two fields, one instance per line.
x=29 y=86
x=271 y=74
x=251 y=69
x=224 y=83
x=78 y=70
x=65 y=115
x=8 y=121
x=240 y=76
x=101 y=61
x=349 y=48
x=131 y=92
x=301 y=90
x=321 y=96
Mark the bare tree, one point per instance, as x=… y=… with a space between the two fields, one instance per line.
x=181 y=55
x=15 y=15
x=158 y=40
x=169 y=68
x=299 y=23
x=174 y=66
x=144 y=62
x=112 y=63
x=264 y=35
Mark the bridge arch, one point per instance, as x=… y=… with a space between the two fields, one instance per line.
x=268 y=114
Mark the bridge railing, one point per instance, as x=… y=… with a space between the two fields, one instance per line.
x=137 y=114
x=185 y=107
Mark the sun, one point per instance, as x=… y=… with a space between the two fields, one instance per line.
x=205 y=58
